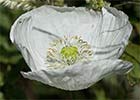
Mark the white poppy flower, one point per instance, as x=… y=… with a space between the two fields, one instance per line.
x=72 y=48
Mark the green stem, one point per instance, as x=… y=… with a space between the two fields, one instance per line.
x=128 y=2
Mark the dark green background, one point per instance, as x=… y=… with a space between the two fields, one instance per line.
x=14 y=86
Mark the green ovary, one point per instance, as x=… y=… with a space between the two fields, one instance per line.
x=69 y=54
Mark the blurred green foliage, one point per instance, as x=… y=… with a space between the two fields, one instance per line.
x=14 y=86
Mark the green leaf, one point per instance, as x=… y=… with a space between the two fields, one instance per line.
x=132 y=54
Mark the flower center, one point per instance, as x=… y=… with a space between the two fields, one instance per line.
x=68 y=51
x=69 y=54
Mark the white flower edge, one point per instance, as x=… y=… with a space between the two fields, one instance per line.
x=81 y=75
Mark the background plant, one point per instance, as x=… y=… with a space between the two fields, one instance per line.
x=14 y=86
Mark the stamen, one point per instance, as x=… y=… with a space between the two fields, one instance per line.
x=68 y=51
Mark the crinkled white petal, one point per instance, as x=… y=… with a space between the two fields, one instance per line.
x=114 y=33
x=79 y=76
x=33 y=44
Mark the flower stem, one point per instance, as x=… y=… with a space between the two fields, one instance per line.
x=128 y=2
